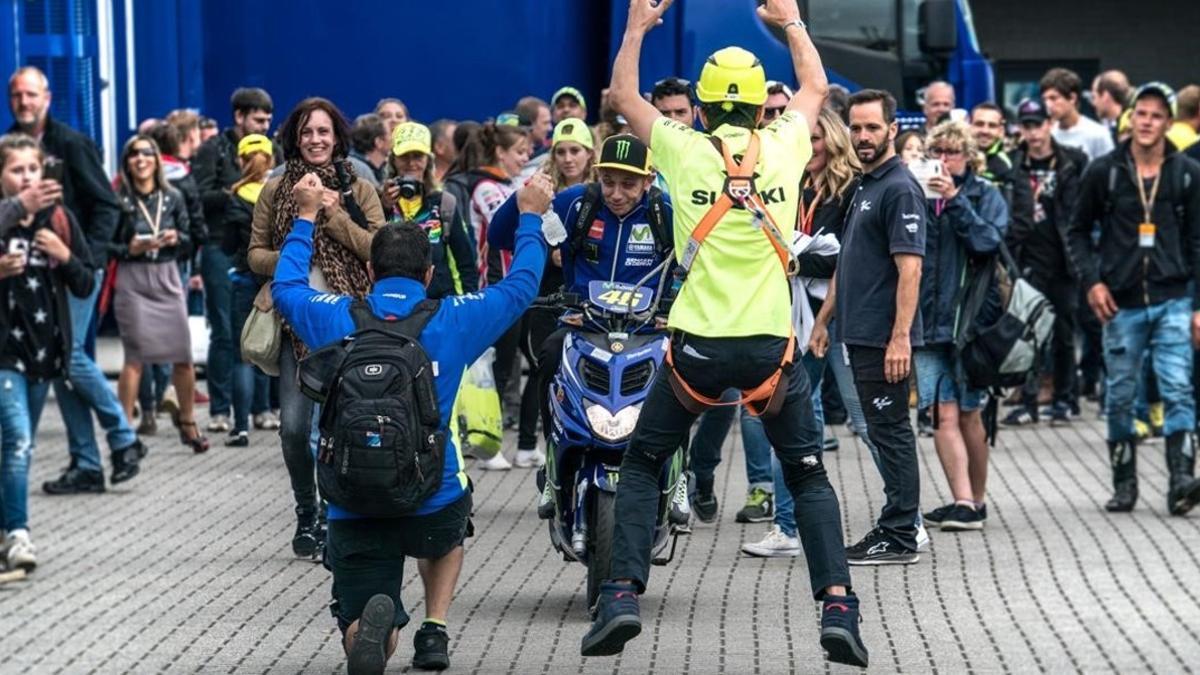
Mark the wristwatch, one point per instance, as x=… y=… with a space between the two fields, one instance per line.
x=795 y=22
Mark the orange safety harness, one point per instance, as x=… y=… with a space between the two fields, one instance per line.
x=767 y=398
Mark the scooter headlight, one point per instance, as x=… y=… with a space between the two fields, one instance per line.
x=613 y=428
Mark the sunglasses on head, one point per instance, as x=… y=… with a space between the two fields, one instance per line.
x=144 y=152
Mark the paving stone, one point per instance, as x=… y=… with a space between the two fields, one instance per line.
x=188 y=568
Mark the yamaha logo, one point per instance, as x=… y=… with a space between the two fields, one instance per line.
x=373 y=370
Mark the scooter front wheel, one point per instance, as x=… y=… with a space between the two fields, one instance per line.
x=600 y=544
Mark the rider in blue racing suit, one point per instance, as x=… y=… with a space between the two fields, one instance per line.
x=626 y=234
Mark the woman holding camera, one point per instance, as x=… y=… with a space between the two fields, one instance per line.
x=251 y=387
x=315 y=138
x=43 y=257
x=149 y=300
x=409 y=195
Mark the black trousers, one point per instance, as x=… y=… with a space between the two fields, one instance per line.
x=1063 y=297
x=1091 y=348
x=710 y=366
x=885 y=407
x=506 y=361
x=536 y=326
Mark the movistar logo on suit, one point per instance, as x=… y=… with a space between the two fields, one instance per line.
x=641 y=239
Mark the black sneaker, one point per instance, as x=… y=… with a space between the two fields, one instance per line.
x=1184 y=498
x=75 y=481
x=305 y=541
x=1059 y=413
x=618 y=620
x=879 y=548
x=839 y=631
x=368 y=656
x=936 y=516
x=125 y=462
x=1124 y=498
x=705 y=507
x=1019 y=417
x=831 y=444
x=924 y=423
x=759 y=508
x=961 y=518
x=432 y=645
x=238 y=439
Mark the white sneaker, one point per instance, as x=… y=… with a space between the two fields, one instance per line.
x=497 y=463
x=775 y=545
x=219 y=424
x=170 y=402
x=22 y=554
x=922 y=538
x=681 y=508
x=545 y=507
x=530 y=459
x=680 y=500
x=266 y=420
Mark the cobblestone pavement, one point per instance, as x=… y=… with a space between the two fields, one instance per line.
x=188 y=569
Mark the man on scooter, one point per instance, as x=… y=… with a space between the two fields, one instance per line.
x=616 y=229
x=736 y=189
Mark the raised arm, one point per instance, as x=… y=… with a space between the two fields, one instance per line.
x=623 y=92
x=814 y=86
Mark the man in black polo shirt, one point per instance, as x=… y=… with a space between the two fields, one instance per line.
x=875 y=291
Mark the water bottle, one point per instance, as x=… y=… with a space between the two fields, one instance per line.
x=553 y=229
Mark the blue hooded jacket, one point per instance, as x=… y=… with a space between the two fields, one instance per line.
x=461 y=330
x=624 y=250
x=971 y=225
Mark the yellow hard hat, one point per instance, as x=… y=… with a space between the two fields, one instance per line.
x=732 y=74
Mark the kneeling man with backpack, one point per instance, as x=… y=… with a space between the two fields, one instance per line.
x=386 y=370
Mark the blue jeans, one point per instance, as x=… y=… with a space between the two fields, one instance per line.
x=156 y=377
x=218 y=292
x=1165 y=329
x=755 y=439
x=21 y=404
x=936 y=381
x=710 y=436
x=85 y=390
x=251 y=386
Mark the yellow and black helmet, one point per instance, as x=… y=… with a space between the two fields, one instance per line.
x=732 y=74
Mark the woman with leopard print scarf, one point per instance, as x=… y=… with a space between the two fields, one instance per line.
x=315 y=139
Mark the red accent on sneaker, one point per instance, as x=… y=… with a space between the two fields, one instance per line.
x=624 y=594
x=837 y=605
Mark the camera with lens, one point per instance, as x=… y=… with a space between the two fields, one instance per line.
x=410 y=188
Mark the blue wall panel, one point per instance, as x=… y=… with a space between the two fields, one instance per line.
x=463 y=59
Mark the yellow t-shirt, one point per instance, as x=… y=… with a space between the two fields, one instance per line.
x=1182 y=135
x=737 y=286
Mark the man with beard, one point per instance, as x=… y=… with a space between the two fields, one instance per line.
x=879 y=318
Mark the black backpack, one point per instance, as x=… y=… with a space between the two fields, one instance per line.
x=1006 y=324
x=381 y=453
x=655 y=216
x=1000 y=350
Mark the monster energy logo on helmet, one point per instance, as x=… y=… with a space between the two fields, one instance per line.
x=625 y=152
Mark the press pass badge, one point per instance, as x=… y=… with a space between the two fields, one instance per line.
x=1146 y=233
